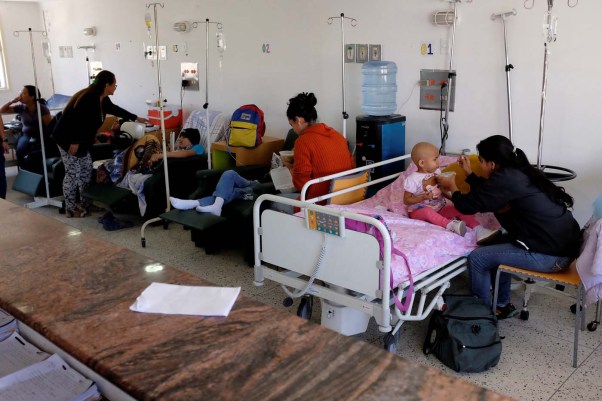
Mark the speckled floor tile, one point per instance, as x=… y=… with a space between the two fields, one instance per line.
x=585 y=383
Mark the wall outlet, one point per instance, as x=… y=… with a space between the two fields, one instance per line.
x=375 y=52
x=350 y=53
x=361 y=53
x=66 y=51
x=151 y=53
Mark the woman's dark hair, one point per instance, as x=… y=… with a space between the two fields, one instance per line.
x=97 y=87
x=193 y=135
x=501 y=151
x=31 y=90
x=303 y=105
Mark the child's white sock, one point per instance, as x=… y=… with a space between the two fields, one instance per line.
x=183 y=204
x=215 y=208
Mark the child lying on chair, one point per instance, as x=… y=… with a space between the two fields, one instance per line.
x=230 y=186
x=424 y=199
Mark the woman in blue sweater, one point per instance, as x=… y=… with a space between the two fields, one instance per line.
x=542 y=234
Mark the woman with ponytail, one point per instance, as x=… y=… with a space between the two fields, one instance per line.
x=542 y=234
x=75 y=134
x=320 y=150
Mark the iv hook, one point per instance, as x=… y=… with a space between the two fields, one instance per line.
x=352 y=21
x=568 y=2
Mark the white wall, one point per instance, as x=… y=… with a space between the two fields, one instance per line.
x=20 y=16
x=305 y=56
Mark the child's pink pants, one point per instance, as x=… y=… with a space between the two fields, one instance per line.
x=443 y=216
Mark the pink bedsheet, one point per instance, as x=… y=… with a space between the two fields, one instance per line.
x=426 y=245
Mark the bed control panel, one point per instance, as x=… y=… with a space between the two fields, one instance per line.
x=325 y=222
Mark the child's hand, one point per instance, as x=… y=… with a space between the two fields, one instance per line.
x=464 y=162
x=446 y=181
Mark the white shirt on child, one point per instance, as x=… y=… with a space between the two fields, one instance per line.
x=413 y=184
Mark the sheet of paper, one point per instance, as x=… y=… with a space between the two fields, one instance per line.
x=8 y=324
x=49 y=380
x=16 y=354
x=186 y=300
x=282 y=178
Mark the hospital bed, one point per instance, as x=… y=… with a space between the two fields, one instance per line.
x=346 y=269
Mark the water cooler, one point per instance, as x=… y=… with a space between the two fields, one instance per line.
x=380 y=138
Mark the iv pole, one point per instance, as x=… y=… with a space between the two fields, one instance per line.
x=206 y=105
x=353 y=22
x=508 y=66
x=37 y=200
x=88 y=72
x=162 y=117
x=450 y=81
x=550 y=23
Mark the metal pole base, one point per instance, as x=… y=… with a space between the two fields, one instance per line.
x=556 y=174
x=39 y=202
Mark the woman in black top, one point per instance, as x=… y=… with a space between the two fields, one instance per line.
x=75 y=134
x=542 y=234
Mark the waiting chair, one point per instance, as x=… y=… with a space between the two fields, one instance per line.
x=540 y=281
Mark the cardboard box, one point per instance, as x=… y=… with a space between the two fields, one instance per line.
x=171 y=113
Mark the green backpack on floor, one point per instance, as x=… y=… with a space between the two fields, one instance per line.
x=464 y=336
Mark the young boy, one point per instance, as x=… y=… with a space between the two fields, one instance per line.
x=188 y=144
x=425 y=201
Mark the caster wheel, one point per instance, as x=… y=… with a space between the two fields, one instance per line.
x=524 y=315
x=305 y=307
x=592 y=326
x=165 y=225
x=391 y=342
x=574 y=308
x=143 y=242
x=288 y=302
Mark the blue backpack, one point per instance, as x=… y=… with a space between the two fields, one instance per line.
x=247 y=127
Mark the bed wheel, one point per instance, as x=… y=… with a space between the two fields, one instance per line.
x=165 y=224
x=574 y=308
x=143 y=242
x=592 y=326
x=305 y=307
x=524 y=315
x=391 y=342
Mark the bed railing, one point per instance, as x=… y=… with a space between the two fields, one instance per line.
x=350 y=172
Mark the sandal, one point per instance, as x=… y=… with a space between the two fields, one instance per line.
x=76 y=213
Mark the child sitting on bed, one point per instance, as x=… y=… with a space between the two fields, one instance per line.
x=425 y=201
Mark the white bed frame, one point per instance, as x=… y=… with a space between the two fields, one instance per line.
x=350 y=285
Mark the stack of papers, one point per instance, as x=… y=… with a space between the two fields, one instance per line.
x=8 y=325
x=28 y=374
x=186 y=300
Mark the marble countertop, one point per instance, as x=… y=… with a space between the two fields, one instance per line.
x=75 y=289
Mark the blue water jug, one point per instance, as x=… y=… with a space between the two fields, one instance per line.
x=379 y=88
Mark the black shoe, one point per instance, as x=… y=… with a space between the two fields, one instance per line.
x=505 y=312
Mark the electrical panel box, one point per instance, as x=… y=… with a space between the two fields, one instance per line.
x=190 y=76
x=380 y=138
x=434 y=90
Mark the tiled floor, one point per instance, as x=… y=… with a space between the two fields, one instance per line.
x=536 y=357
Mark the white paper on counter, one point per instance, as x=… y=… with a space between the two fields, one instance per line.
x=49 y=380
x=16 y=354
x=186 y=300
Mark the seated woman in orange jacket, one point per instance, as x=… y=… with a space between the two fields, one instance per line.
x=319 y=151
